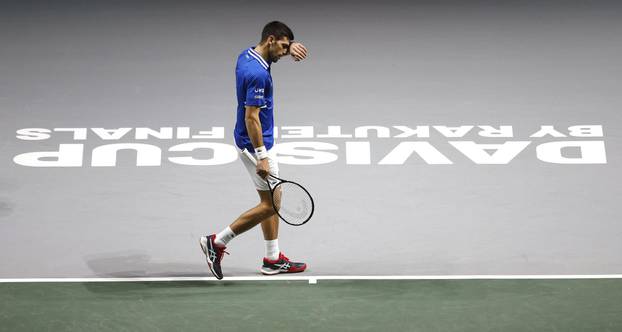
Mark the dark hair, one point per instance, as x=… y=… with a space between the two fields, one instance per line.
x=276 y=29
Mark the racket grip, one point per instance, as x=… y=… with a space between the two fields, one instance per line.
x=249 y=156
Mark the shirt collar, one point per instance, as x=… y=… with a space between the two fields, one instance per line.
x=259 y=58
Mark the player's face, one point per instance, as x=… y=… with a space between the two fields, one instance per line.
x=279 y=48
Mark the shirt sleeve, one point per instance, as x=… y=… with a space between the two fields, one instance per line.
x=255 y=90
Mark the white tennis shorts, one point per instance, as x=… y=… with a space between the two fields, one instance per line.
x=260 y=184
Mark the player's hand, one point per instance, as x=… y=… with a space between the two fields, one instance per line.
x=298 y=51
x=263 y=169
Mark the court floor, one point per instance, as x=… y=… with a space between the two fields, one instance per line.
x=363 y=305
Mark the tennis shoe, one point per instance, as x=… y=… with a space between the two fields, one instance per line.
x=281 y=265
x=213 y=254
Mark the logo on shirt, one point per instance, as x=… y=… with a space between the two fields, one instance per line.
x=259 y=90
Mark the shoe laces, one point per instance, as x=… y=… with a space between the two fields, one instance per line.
x=221 y=251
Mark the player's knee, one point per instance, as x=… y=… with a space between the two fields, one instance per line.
x=266 y=209
x=271 y=212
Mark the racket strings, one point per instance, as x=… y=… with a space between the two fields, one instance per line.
x=292 y=203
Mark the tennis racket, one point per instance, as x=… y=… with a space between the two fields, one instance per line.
x=291 y=201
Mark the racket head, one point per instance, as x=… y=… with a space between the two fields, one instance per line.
x=292 y=202
x=298 y=204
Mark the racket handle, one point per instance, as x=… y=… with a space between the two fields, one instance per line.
x=249 y=156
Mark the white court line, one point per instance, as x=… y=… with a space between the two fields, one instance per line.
x=315 y=279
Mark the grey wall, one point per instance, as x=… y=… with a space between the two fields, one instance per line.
x=167 y=64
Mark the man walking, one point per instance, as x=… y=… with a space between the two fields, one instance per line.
x=254 y=132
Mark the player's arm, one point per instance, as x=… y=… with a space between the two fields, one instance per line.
x=253 y=127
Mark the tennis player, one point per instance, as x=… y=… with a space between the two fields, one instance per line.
x=254 y=132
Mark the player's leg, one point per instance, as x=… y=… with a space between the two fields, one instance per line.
x=270 y=225
x=270 y=229
x=264 y=210
x=213 y=246
x=274 y=261
x=258 y=214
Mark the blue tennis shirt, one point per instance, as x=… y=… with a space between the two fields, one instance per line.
x=254 y=88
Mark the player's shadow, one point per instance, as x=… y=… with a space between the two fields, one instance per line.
x=6 y=208
x=136 y=264
x=128 y=264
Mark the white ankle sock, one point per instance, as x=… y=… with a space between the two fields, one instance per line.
x=224 y=237
x=272 y=249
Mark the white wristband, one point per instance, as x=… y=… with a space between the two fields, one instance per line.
x=261 y=152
